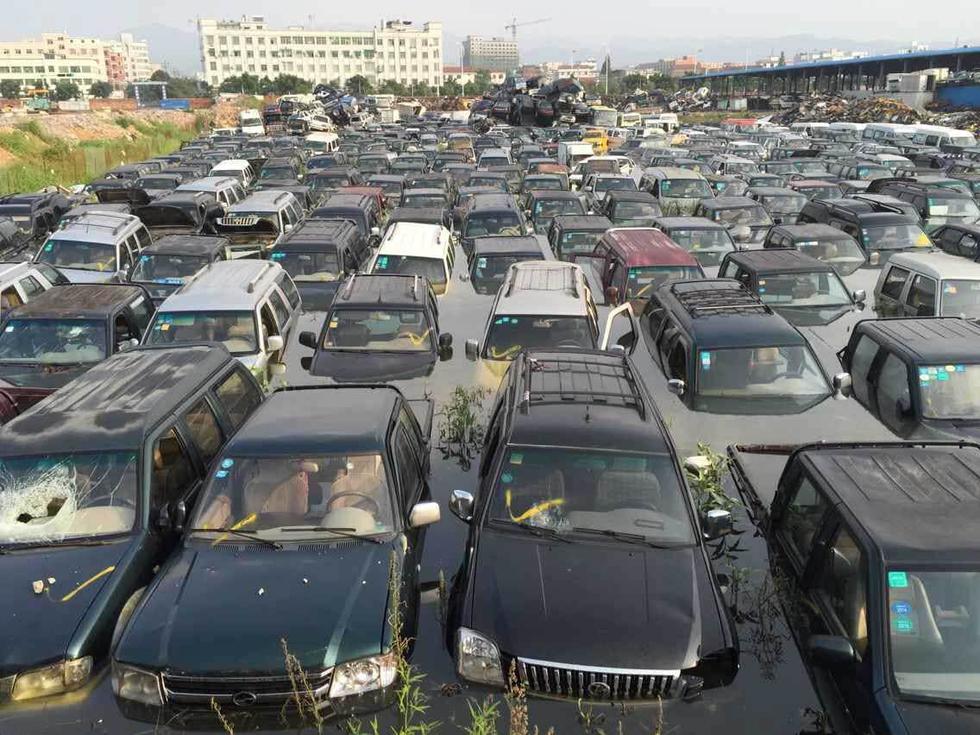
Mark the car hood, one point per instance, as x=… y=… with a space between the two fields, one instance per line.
x=228 y=608
x=372 y=366
x=920 y=718
x=816 y=316
x=558 y=602
x=38 y=627
x=36 y=375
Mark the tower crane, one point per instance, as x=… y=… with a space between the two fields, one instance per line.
x=514 y=25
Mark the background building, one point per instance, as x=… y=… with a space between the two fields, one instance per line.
x=467 y=75
x=396 y=50
x=56 y=57
x=494 y=54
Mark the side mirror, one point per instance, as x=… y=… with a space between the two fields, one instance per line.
x=308 y=339
x=842 y=383
x=612 y=295
x=830 y=650
x=180 y=515
x=716 y=523
x=274 y=343
x=128 y=344
x=445 y=340
x=424 y=514
x=277 y=369
x=874 y=258
x=306 y=363
x=375 y=231
x=461 y=504
x=676 y=386
x=859 y=296
x=288 y=228
x=472 y=349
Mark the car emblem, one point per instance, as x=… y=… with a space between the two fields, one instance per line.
x=599 y=690
x=244 y=699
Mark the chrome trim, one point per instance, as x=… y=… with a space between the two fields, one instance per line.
x=602 y=669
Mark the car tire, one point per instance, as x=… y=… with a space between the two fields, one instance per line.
x=124 y=615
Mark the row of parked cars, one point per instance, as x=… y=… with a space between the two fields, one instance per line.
x=146 y=440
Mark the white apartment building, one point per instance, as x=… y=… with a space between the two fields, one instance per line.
x=496 y=54
x=56 y=57
x=397 y=51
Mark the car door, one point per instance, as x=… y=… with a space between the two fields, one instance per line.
x=859 y=364
x=921 y=297
x=407 y=456
x=890 y=289
x=124 y=330
x=176 y=475
x=625 y=336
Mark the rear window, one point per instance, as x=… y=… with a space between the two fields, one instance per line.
x=492 y=223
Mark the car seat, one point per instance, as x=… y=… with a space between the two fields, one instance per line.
x=268 y=493
x=624 y=489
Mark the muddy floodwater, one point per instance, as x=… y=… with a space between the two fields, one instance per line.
x=771 y=694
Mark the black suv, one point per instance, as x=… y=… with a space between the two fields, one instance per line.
x=583 y=514
x=880 y=234
x=35 y=214
x=877 y=542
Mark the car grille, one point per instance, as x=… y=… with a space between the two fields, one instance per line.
x=585 y=682
x=243 y=691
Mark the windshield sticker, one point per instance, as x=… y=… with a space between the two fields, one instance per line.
x=49 y=247
x=903 y=625
x=278 y=256
x=383 y=261
x=507 y=477
x=705 y=360
x=163 y=327
x=221 y=474
x=481 y=262
x=923 y=241
x=898 y=580
x=949 y=288
x=516 y=458
x=901 y=608
x=9 y=328
x=227 y=464
x=334 y=323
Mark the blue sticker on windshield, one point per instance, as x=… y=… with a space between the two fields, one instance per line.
x=49 y=247
x=506 y=477
x=383 y=261
x=901 y=608
x=144 y=259
x=705 y=360
x=227 y=463
x=221 y=474
x=277 y=256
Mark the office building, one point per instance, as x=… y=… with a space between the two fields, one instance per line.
x=492 y=54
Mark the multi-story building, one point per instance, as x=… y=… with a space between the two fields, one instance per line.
x=56 y=57
x=583 y=70
x=396 y=50
x=492 y=54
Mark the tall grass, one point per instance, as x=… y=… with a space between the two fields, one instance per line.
x=44 y=160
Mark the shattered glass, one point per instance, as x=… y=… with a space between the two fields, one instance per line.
x=52 y=498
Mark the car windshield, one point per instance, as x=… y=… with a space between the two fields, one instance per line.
x=640 y=282
x=491 y=182
x=328 y=180
x=619 y=183
x=895 y=237
x=746 y=380
x=310 y=265
x=866 y=173
x=810 y=167
x=409 y=199
x=784 y=203
x=708 y=246
x=53 y=341
x=277 y=172
x=756 y=215
x=407 y=265
x=960 y=207
x=89 y=256
x=491 y=269
x=549 y=184
x=166 y=268
x=53 y=498
x=575 y=490
x=685 y=189
x=290 y=498
x=579 y=242
x=388 y=187
x=150 y=182
x=549 y=208
x=234 y=329
x=950 y=391
x=961 y=298
x=819 y=193
x=624 y=212
x=935 y=650
x=384 y=330
x=492 y=223
x=511 y=334
x=845 y=255
x=819 y=289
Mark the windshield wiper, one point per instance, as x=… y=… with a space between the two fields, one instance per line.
x=42 y=544
x=542 y=531
x=343 y=532
x=244 y=533
x=632 y=538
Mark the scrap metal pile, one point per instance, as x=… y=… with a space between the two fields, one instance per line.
x=833 y=108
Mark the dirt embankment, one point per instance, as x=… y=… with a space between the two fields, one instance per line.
x=76 y=127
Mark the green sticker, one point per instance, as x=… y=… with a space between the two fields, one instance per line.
x=898 y=579
x=516 y=458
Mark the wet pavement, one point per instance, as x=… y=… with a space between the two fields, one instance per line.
x=771 y=694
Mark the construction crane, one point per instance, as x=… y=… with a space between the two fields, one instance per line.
x=514 y=25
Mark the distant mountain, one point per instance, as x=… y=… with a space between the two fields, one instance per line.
x=176 y=49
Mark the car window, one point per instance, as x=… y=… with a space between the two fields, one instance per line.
x=289 y=288
x=143 y=239
x=123 y=330
x=922 y=296
x=803 y=517
x=125 y=256
x=10 y=299
x=409 y=472
x=864 y=354
x=279 y=307
x=677 y=360
x=842 y=585
x=894 y=282
x=55 y=278
x=239 y=396
x=968 y=246
x=894 y=395
x=31 y=286
x=204 y=430
x=142 y=313
x=173 y=474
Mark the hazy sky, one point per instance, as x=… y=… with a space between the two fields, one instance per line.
x=595 y=24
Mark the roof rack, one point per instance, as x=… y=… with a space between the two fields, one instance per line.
x=250 y=287
x=707 y=300
x=538 y=277
x=348 y=288
x=575 y=377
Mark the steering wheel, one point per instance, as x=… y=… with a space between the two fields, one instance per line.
x=374 y=504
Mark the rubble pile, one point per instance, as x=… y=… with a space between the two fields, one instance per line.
x=687 y=99
x=833 y=108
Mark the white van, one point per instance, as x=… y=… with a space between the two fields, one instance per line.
x=237 y=168
x=937 y=135
x=573 y=152
x=250 y=122
x=21 y=282
x=321 y=142
x=886 y=133
x=248 y=305
x=412 y=248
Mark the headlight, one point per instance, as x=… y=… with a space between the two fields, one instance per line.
x=136 y=685
x=478 y=658
x=363 y=675
x=52 y=679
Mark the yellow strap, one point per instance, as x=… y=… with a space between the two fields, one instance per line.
x=87 y=582
x=533 y=510
x=417 y=339
x=250 y=518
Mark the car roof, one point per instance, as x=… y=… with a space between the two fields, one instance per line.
x=688 y=223
x=938 y=265
x=318 y=232
x=778 y=260
x=113 y=405
x=208 y=183
x=589 y=222
x=186 y=245
x=673 y=172
x=917 y=503
x=502 y=245
x=542 y=287
x=773 y=191
x=927 y=339
x=643 y=246
x=10 y=269
x=78 y=301
x=491 y=202
x=553 y=194
x=338 y=419
x=722 y=313
x=269 y=199
x=625 y=195
x=813 y=231
x=228 y=285
x=101 y=227
x=375 y=289
x=415 y=238
x=728 y=203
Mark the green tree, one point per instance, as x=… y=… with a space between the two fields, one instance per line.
x=9 y=89
x=451 y=87
x=359 y=85
x=244 y=84
x=632 y=82
x=100 y=89
x=159 y=76
x=390 y=86
x=66 y=90
x=186 y=87
x=481 y=82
